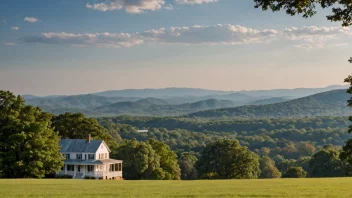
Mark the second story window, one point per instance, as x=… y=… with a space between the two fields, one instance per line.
x=67 y=156
x=91 y=156
x=79 y=156
x=103 y=156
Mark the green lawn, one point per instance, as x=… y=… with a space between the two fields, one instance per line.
x=230 y=188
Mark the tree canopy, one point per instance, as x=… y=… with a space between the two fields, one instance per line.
x=295 y=172
x=341 y=9
x=28 y=145
x=326 y=163
x=268 y=168
x=141 y=161
x=187 y=163
x=77 y=126
x=168 y=160
x=227 y=159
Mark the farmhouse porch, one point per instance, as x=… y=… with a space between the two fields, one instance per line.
x=99 y=169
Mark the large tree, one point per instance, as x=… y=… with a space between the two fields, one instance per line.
x=168 y=160
x=77 y=126
x=139 y=161
x=227 y=159
x=326 y=163
x=268 y=168
x=341 y=9
x=148 y=160
x=29 y=147
x=187 y=163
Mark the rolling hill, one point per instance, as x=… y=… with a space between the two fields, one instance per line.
x=158 y=107
x=269 y=101
x=75 y=101
x=160 y=93
x=204 y=94
x=198 y=105
x=331 y=103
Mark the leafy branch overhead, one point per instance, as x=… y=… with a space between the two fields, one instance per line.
x=341 y=9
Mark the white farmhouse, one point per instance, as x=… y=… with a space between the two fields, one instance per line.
x=89 y=158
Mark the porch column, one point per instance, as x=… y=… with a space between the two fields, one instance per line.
x=65 y=168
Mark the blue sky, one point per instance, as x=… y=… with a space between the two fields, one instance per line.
x=83 y=46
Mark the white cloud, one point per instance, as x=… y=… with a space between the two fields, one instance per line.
x=30 y=19
x=319 y=46
x=10 y=44
x=193 y=2
x=315 y=34
x=217 y=34
x=130 y=6
x=96 y=39
x=168 y=7
x=305 y=37
x=15 y=28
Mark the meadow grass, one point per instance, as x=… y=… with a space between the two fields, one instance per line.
x=337 y=187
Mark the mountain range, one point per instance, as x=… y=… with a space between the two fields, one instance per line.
x=331 y=103
x=178 y=101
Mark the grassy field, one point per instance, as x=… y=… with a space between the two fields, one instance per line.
x=230 y=188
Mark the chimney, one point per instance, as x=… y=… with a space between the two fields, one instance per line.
x=89 y=138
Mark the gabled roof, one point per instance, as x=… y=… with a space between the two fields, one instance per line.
x=80 y=145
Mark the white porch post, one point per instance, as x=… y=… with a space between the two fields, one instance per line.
x=65 y=168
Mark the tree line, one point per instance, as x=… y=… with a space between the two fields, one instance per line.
x=29 y=147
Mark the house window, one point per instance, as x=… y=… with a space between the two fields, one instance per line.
x=70 y=168
x=91 y=156
x=79 y=156
x=90 y=168
x=67 y=156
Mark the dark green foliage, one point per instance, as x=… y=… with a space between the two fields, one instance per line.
x=346 y=154
x=168 y=160
x=87 y=177
x=187 y=163
x=77 y=126
x=341 y=9
x=141 y=161
x=227 y=159
x=326 y=163
x=231 y=124
x=268 y=169
x=295 y=172
x=291 y=138
x=28 y=145
x=283 y=164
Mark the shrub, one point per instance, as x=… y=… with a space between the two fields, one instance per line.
x=64 y=177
